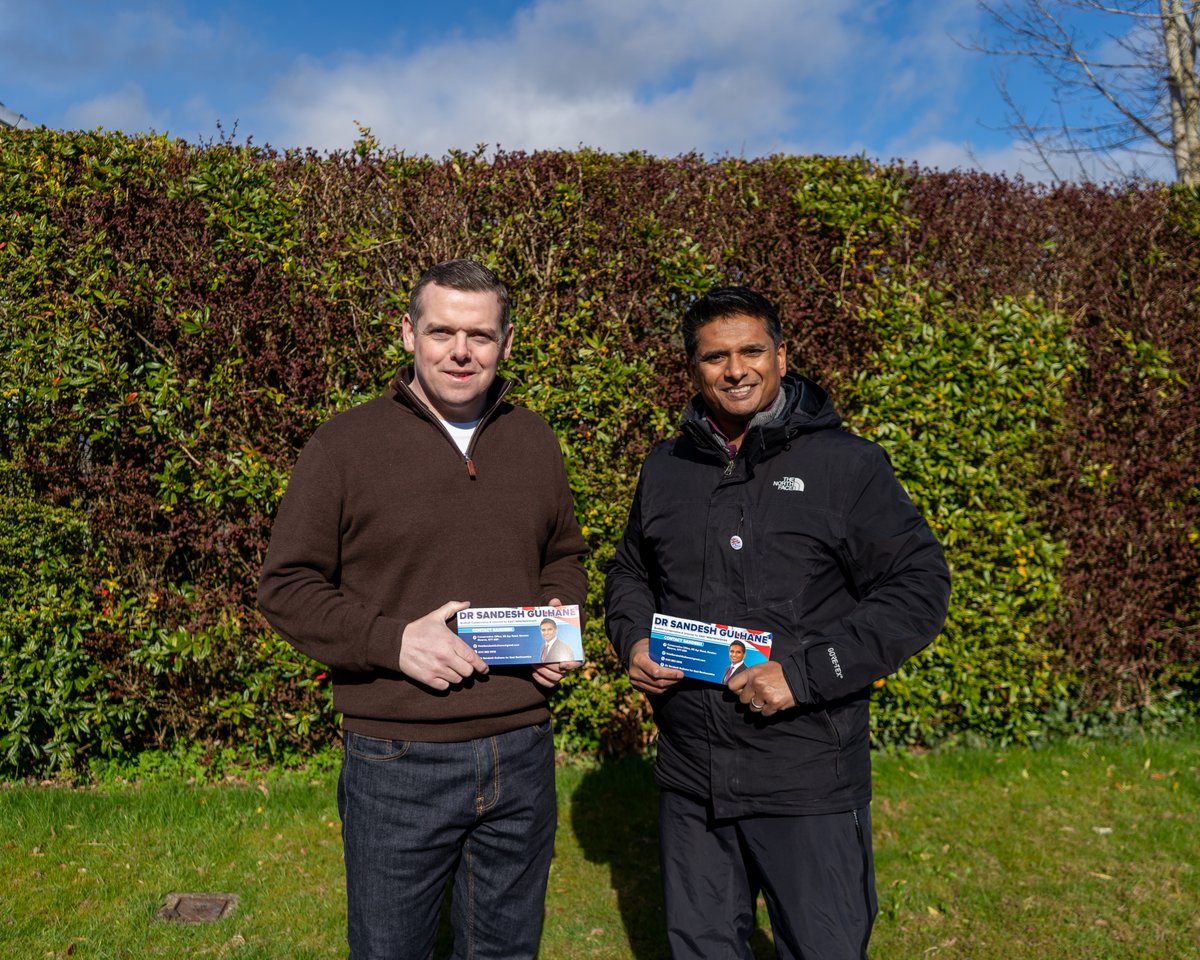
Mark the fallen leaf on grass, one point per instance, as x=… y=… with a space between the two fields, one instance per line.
x=1100 y=876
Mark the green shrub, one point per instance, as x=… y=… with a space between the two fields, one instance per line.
x=965 y=403
x=176 y=320
x=54 y=690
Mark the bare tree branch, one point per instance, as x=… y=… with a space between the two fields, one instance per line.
x=1121 y=79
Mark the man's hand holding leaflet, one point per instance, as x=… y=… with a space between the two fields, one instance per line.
x=431 y=653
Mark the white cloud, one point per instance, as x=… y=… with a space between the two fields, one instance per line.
x=126 y=109
x=654 y=75
x=1016 y=158
x=944 y=155
x=61 y=45
x=140 y=59
x=880 y=77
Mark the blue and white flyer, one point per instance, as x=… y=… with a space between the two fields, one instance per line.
x=510 y=635
x=706 y=651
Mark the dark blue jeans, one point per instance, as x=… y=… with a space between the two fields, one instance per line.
x=415 y=812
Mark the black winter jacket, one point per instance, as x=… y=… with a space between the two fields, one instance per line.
x=835 y=560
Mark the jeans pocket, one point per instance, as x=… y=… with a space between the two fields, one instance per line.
x=374 y=748
x=543 y=729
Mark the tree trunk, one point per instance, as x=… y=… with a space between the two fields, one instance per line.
x=1180 y=38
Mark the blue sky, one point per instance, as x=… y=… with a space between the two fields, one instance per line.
x=886 y=78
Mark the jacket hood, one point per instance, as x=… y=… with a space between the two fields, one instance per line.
x=802 y=407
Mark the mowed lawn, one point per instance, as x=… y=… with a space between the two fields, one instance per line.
x=1074 y=851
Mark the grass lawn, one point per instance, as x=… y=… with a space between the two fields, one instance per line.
x=1071 y=851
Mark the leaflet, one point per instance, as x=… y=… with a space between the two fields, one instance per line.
x=706 y=651
x=510 y=635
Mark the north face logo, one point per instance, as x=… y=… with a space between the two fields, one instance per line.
x=790 y=483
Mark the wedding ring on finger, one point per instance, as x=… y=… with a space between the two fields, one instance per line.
x=755 y=705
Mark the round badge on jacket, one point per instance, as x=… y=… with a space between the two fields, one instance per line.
x=736 y=542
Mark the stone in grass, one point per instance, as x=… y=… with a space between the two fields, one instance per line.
x=197 y=907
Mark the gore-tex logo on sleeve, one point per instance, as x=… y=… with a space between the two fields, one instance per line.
x=837 y=667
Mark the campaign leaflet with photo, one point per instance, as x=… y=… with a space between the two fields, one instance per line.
x=706 y=651
x=511 y=635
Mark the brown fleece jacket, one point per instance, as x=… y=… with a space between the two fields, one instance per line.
x=384 y=520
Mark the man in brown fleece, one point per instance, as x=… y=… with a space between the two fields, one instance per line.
x=399 y=513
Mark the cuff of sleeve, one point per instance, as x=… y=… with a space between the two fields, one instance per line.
x=625 y=648
x=795 y=672
x=384 y=642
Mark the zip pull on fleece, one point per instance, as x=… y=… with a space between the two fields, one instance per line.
x=470 y=467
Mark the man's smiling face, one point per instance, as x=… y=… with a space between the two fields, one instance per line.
x=737 y=368
x=457 y=347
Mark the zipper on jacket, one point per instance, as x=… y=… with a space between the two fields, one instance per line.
x=436 y=421
x=837 y=742
x=705 y=439
x=487 y=415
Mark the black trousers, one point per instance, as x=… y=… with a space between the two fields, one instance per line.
x=817 y=874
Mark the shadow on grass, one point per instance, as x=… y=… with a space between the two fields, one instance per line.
x=614 y=815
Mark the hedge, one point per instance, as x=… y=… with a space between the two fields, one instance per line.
x=177 y=319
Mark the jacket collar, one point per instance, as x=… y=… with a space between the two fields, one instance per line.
x=801 y=406
x=401 y=384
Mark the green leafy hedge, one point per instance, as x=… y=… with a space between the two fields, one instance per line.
x=176 y=320
x=54 y=691
x=966 y=404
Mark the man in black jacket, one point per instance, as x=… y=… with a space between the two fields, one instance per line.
x=763 y=514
